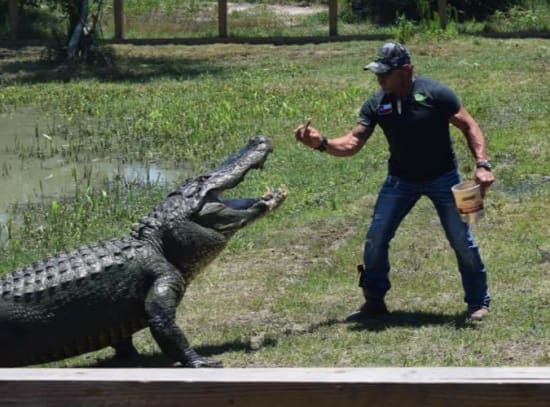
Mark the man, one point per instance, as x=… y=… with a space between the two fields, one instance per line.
x=414 y=112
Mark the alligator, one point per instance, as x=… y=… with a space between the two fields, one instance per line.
x=100 y=294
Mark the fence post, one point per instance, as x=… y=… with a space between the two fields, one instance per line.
x=222 y=18
x=333 y=18
x=442 y=10
x=118 y=12
x=14 y=18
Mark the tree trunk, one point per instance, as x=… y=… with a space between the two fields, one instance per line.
x=78 y=18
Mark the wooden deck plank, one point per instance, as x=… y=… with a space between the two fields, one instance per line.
x=388 y=387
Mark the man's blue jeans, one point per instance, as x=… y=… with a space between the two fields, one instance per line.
x=395 y=200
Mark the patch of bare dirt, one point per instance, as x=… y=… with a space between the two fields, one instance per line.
x=281 y=9
x=537 y=350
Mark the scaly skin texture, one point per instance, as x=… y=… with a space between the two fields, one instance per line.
x=100 y=294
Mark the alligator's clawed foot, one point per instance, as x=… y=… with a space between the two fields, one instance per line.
x=194 y=360
x=205 y=362
x=202 y=362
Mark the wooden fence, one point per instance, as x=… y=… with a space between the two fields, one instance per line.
x=223 y=32
x=289 y=387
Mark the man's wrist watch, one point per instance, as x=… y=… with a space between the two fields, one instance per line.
x=323 y=146
x=484 y=164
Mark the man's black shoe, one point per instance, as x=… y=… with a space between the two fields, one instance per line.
x=371 y=308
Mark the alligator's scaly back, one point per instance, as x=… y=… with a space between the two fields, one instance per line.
x=100 y=294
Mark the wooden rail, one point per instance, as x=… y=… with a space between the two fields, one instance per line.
x=319 y=387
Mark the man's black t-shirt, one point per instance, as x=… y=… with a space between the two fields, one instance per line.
x=417 y=128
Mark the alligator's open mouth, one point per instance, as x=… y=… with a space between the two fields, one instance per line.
x=269 y=199
x=229 y=215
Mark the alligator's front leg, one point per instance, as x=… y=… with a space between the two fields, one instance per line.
x=160 y=306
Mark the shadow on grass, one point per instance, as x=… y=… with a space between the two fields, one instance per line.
x=141 y=360
x=394 y=319
x=129 y=69
x=411 y=319
x=160 y=360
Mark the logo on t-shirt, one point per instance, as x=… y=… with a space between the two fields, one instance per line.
x=385 y=109
x=419 y=97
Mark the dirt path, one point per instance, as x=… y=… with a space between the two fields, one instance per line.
x=282 y=9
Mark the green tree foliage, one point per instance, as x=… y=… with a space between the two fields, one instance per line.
x=32 y=13
x=32 y=19
x=386 y=11
x=70 y=8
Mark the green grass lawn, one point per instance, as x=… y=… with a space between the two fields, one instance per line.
x=278 y=294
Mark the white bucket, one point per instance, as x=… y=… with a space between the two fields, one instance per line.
x=468 y=200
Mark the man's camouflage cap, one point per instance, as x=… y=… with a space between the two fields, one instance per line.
x=390 y=56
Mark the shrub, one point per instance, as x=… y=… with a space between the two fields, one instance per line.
x=386 y=11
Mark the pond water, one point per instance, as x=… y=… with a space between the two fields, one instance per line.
x=31 y=179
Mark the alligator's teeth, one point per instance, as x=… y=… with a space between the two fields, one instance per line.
x=268 y=194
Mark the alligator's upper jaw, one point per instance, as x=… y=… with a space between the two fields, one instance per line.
x=233 y=170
